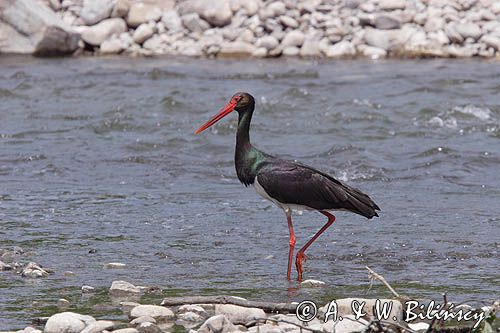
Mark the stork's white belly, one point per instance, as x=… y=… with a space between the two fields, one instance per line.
x=285 y=206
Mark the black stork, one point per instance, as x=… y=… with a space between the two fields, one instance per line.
x=288 y=184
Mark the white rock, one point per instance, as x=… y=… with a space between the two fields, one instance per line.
x=287 y=21
x=467 y=30
x=142 y=319
x=33 y=270
x=453 y=34
x=155 y=44
x=159 y=313
x=377 y=38
x=217 y=324
x=341 y=49
x=312 y=283
x=217 y=13
x=293 y=38
x=172 y=21
x=239 y=314
x=251 y=7
x=123 y=288
x=419 y=326
x=98 y=326
x=87 y=289
x=63 y=303
x=276 y=8
x=491 y=41
x=112 y=46
x=392 y=4
x=67 y=322
x=98 y=33
x=120 y=8
x=237 y=48
x=291 y=51
x=310 y=48
x=268 y=42
x=194 y=23
x=141 y=34
x=435 y=23
x=148 y=328
x=495 y=7
x=373 y=52
x=116 y=264
x=348 y=325
x=142 y=13
x=94 y=11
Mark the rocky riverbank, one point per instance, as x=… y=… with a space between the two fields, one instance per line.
x=198 y=28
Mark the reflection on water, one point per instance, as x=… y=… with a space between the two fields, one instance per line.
x=99 y=164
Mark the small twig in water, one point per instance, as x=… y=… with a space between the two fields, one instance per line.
x=372 y=276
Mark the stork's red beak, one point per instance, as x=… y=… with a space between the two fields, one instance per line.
x=221 y=114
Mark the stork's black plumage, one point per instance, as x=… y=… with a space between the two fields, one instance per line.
x=290 y=185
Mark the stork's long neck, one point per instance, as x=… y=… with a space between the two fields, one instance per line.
x=246 y=157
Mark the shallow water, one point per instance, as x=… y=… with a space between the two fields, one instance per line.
x=99 y=154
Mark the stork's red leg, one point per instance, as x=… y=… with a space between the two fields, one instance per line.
x=300 y=254
x=291 y=242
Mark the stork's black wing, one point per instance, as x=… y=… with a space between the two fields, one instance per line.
x=294 y=183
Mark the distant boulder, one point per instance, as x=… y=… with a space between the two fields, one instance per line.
x=31 y=27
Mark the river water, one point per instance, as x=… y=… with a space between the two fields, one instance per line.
x=99 y=164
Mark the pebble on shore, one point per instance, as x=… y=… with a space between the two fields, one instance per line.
x=254 y=28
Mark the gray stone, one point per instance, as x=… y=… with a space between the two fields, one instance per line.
x=377 y=38
x=159 y=313
x=217 y=324
x=268 y=42
x=142 y=33
x=98 y=326
x=293 y=38
x=239 y=314
x=194 y=23
x=123 y=288
x=94 y=11
x=30 y=27
x=287 y=21
x=148 y=328
x=340 y=50
x=67 y=322
x=468 y=30
x=491 y=41
x=172 y=21
x=142 y=13
x=383 y=21
x=121 y=8
x=142 y=319
x=392 y=4
x=156 y=44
